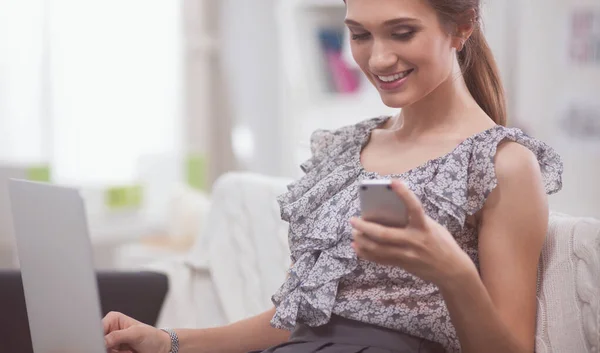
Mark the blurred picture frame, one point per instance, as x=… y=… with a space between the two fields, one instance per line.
x=584 y=41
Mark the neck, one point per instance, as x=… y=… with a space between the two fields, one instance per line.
x=447 y=107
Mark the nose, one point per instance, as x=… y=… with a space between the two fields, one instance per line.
x=382 y=59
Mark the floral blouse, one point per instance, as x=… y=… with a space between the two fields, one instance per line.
x=327 y=277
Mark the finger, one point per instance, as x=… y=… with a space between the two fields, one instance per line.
x=413 y=205
x=116 y=321
x=363 y=243
x=113 y=340
x=355 y=233
x=366 y=227
x=125 y=350
x=381 y=234
x=366 y=242
x=118 y=340
x=371 y=251
x=109 y=321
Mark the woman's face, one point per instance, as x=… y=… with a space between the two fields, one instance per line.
x=401 y=46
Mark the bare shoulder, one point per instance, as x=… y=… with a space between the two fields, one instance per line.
x=519 y=178
x=515 y=163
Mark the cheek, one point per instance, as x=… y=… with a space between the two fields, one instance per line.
x=432 y=59
x=361 y=55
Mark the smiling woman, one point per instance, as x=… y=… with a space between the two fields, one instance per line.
x=461 y=275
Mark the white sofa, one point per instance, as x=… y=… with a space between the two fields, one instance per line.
x=241 y=258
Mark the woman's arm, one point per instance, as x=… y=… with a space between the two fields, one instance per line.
x=123 y=333
x=243 y=336
x=497 y=311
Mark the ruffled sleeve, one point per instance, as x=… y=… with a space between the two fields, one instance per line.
x=317 y=238
x=482 y=174
x=326 y=145
x=467 y=176
x=322 y=144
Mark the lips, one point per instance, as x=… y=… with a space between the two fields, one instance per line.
x=393 y=81
x=394 y=77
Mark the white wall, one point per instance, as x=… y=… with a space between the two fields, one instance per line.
x=116 y=86
x=495 y=16
x=250 y=57
x=22 y=112
x=546 y=82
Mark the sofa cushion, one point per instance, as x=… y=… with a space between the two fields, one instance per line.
x=245 y=243
x=569 y=287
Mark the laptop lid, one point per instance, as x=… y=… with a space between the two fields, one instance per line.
x=55 y=256
x=8 y=256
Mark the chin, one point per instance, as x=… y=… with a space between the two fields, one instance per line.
x=395 y=100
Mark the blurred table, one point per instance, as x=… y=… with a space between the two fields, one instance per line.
x=150 y=249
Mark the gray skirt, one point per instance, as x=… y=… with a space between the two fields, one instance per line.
x=342 y=335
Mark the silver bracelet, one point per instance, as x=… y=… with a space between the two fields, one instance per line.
x=174 y=340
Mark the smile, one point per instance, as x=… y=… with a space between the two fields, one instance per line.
x=393 y=82
x=395 y=77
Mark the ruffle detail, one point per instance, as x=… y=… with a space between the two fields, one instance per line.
x=318 y=205
x=332 y=165
x=466 y=176
x=320 y=257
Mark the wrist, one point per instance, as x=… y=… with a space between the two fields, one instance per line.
x=459 y=276
x=169 y=340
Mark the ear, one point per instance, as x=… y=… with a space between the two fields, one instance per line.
x=464 y=29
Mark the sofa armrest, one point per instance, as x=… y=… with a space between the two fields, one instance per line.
x=245 y=243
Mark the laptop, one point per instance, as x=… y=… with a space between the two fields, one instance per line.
x=8 y=256
x=61 y=288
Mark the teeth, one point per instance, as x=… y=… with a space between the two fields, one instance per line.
x=394 y=77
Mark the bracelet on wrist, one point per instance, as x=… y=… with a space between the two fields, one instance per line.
x=174 y=340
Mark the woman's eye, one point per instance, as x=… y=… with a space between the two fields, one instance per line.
x=404 y=35
x=360 y=36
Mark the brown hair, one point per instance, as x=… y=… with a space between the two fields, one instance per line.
x=477 y=62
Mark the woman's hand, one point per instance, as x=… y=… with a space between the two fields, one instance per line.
x=124 y=334
x=424 y=248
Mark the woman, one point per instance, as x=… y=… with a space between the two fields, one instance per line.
x=462 y=275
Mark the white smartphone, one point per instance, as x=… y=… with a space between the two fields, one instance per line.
x=380 y=204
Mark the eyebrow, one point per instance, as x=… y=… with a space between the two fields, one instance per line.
x=388 y=23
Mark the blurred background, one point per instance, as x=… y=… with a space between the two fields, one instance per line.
x=144 y=104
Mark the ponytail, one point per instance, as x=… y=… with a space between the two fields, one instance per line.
x=482 y=76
